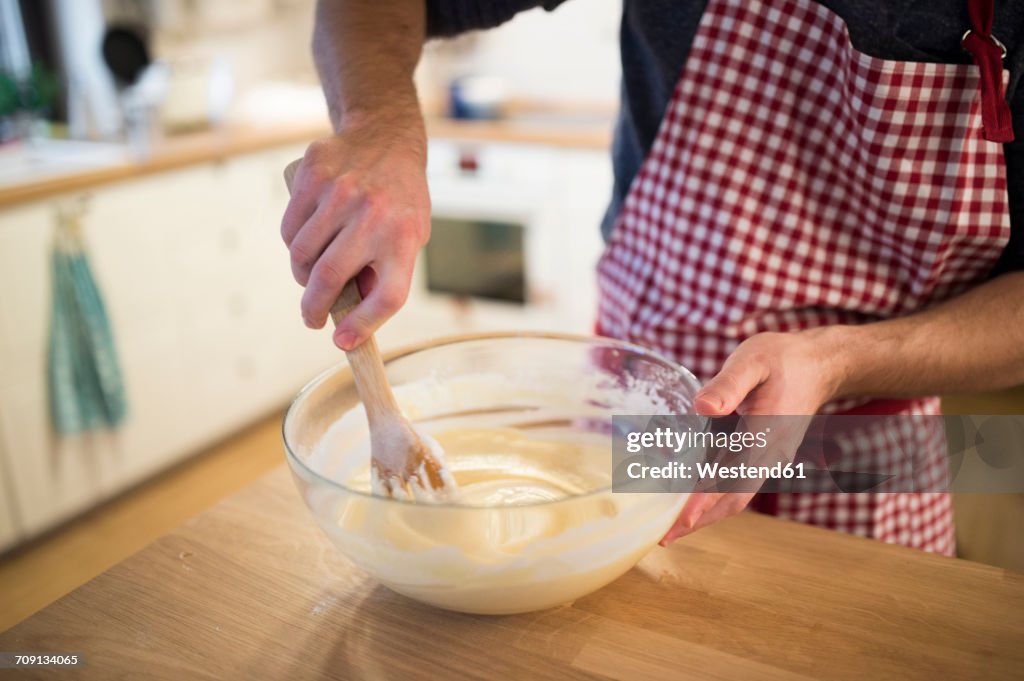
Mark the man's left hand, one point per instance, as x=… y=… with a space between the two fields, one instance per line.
x=770 y=374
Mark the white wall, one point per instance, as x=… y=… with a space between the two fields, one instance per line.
x=569 y=54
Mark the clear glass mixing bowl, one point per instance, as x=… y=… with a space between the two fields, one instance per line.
x=498 y=559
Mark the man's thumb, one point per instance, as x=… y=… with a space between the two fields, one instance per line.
x=723 y=394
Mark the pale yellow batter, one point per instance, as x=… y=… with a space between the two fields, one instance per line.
x=503 y=467
x=534 y=523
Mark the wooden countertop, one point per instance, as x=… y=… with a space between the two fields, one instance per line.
x=233 y=140
x=252 y=589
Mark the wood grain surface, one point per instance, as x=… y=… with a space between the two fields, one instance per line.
x=251 y=589
x=36 y=574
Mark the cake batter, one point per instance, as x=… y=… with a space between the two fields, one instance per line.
x=534 y=523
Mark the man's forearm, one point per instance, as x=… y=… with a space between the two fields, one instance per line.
x=360 y=205
x=366 y=52
x=972 y=342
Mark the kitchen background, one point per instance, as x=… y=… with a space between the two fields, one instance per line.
x=140 y=198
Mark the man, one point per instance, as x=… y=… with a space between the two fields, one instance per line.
x=816 y=208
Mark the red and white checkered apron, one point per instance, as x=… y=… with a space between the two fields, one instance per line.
x=796 y=182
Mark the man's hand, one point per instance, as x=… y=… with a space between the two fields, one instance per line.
x=773 y=374
x=972 y=342
x=769 y=374
x=359 y=207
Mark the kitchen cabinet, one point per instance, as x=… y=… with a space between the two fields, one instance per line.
x=10 y=530
x=205 y=313
x=49 y=477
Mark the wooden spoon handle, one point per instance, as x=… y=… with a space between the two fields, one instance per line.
x=289 y=173
x=365 y=360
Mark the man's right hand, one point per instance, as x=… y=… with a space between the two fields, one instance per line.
x=359 y=207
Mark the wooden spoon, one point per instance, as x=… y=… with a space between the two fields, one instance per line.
x=403 y=463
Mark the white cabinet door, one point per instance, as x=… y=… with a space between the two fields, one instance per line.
x=138 y=235
x=588 y=187
x=51 y=478
x=10 y=530
x=271 y=352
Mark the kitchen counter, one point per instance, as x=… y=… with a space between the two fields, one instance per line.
x=232 y=140
x=252 y=589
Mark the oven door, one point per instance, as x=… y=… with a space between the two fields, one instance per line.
x=477 y=258
x=514 y=242
x=491 y=262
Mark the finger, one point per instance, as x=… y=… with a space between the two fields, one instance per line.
x=366 y=280
x=389 y=292
x=299 y=209
x=724 y=393
x=330 y=218
x=697 y=504
x=301 y=205
x=340 y=261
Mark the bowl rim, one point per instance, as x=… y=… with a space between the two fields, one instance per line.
x=298 y=465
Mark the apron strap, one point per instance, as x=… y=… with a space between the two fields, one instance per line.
x=988 y=53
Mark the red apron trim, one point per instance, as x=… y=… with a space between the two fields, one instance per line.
x=988 y=54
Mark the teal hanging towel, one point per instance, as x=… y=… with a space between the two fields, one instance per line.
x=86 y=388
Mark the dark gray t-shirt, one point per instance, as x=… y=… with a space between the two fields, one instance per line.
x=656 y=37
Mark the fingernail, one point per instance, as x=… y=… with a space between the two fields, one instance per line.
x=346 y=340
x=711 y=400
x=672 y=535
